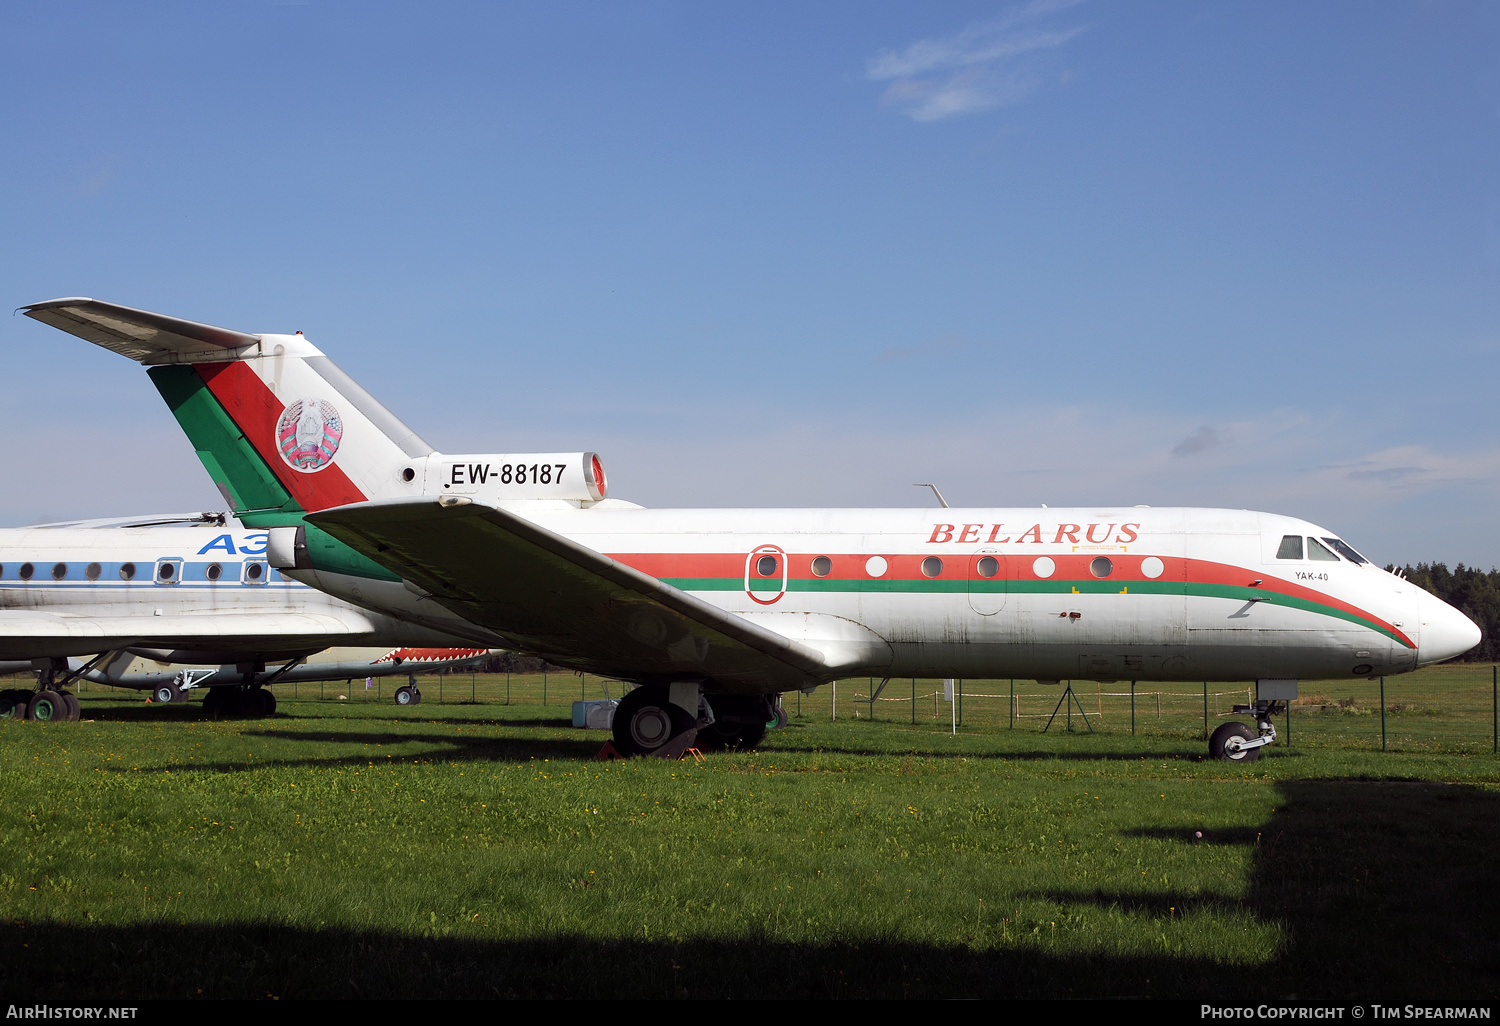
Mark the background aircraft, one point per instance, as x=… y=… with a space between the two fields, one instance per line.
x=712 y=610
x=195 y=589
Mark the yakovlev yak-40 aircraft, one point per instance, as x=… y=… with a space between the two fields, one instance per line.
x=191 y=589
x=711 y=611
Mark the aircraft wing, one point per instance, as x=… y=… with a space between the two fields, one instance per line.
x=30 y=634
x=145 y=337
x=566 y=601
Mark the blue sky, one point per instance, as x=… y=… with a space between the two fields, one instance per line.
x=806 y=254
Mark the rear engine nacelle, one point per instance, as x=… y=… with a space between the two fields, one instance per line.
x=573 y=476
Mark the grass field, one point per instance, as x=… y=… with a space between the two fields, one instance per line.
x=470 y=848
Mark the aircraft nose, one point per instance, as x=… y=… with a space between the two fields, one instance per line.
x=1445 y=632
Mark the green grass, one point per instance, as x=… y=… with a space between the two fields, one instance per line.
x=347 y=848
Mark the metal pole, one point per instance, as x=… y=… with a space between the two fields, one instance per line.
x=835 y=700
x=1132 y=708
x=1382 y=714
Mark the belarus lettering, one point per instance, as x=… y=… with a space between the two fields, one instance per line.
x=1036 y=534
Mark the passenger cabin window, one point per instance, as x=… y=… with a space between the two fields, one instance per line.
x=1345 y=550
x=1291 y=547
x=1316 y=550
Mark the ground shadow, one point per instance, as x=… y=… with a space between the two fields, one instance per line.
x=1384 y=892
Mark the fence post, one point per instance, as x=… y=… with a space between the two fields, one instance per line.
x=1382 y=714
x=835 y=714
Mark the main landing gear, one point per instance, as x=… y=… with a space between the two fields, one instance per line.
x=648 y=721
x=1235 y=742
x=237 y=700
x=44 y=706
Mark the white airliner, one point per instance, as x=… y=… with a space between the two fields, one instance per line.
x=195 y=589
x=712 y=610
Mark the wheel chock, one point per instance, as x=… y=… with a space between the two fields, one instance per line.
x=697 y=755
x=678 y=746
x=608 y=752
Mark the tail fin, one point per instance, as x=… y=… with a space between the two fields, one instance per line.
x=283 y=432
x=280 y=429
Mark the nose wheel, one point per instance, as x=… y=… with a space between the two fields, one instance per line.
x=1236 y=742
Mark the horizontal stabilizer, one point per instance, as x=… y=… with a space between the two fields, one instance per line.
x=149 y=338
x=566 y=601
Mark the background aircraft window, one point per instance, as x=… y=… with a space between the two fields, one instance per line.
x=127 y=571
x=253 y=572
x=765 y=566
x=26 y=571
x=932 y=567
x=989 y=566
x=1291 y=547
x=1315 y=550
x=92 y=571
x=166 y=571
x=214 y=572
x=1100 y=566
x=1346 y=551
x=59 y=571
x=822 y=566
x=2 y=569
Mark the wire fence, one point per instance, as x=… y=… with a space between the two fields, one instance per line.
x=1451 y=708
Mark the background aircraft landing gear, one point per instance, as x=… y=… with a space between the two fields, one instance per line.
x=739 y=723
x=408 y=695
x=647 y=721
x=47 y=707
x=237 y=700
x=13 y=704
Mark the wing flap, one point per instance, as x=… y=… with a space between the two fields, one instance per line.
x=566 y=601
x=149 y=338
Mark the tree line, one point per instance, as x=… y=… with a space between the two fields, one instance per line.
x=1474 y=592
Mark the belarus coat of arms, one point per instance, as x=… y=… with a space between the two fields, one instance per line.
x=308 y=434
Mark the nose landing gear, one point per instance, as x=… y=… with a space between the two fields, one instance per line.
x=1235 y=742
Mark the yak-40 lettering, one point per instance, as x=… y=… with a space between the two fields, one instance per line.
x=713 y=613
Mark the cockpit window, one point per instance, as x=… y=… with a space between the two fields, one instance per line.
x=1291 y=547
x=1315 y=550
x=1345 y=550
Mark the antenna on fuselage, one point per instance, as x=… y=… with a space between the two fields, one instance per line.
x=929 y=484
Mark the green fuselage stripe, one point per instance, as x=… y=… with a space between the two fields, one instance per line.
x=1085 y=587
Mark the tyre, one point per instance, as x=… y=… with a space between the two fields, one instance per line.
x=9 y=705
x=213 y=701
x=740 y=723
x=1226 y=741
x=267 y=701
x=75 y=711
x=417 y=694
x=404 y=696
x=45 y=707
x=166 y=694
x=646 y=720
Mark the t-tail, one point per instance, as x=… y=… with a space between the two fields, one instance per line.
x=283 y=432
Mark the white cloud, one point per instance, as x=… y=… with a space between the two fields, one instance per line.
x=973 y=70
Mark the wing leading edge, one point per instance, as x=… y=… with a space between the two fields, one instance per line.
x=566 y=601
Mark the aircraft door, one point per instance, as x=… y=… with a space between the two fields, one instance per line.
x=988 y=582
x=765 y=574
